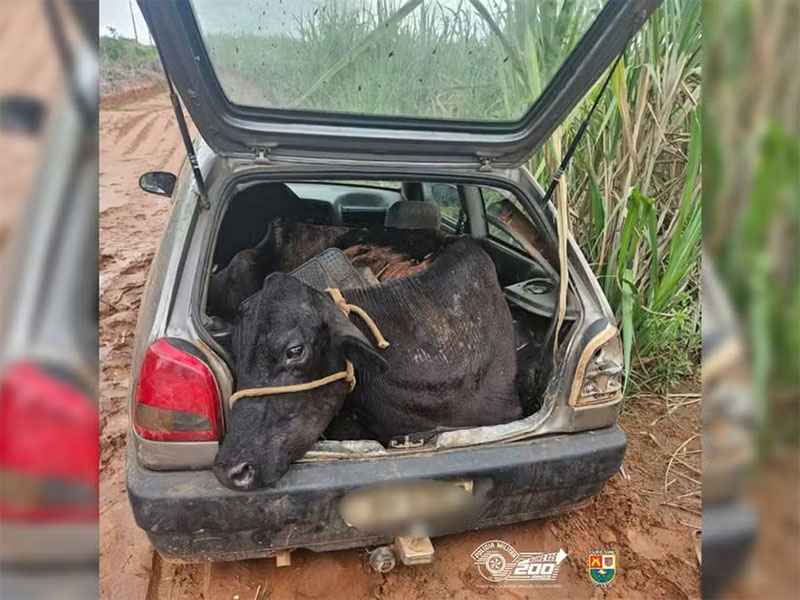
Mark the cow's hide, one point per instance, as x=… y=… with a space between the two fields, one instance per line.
x=288 y=244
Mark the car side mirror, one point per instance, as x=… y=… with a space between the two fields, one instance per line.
x=21 y=114
x=158 y=182
x=446 y=195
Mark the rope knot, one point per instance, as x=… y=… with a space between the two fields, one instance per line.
x=347 y=308
x=350 y=377
x=338 y=300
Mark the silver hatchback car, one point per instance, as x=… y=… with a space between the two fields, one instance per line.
x=259 y=158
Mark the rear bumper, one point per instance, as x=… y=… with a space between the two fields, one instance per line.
x=189 y=516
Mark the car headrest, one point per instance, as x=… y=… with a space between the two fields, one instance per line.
x=404 y=214
x=411 y=190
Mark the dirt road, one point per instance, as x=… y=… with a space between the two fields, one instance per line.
x=648 y=514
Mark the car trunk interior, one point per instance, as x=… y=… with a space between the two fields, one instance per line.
x=385 y=232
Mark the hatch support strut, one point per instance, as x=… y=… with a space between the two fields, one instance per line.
x=187 y=140
x=579 y=134
x=551 y=337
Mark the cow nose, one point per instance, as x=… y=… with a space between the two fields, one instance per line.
x=242 y=475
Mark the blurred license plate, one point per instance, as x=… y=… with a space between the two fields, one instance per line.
x=408 y=507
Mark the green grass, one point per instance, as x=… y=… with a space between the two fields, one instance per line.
x=752 y=191
x=634 y=194
x=125 y=62
x=114 y=48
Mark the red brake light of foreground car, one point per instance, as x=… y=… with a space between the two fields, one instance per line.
x=48 y=448
x=176 y=397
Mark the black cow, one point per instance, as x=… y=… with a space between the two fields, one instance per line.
x=241 y=278
x=450 y=362
x=288 y=244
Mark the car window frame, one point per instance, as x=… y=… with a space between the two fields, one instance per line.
x=427 y=196
x=518 y=247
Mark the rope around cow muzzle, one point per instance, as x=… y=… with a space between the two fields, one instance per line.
x=347 y=375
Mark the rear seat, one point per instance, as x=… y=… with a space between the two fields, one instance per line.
x=408 y=214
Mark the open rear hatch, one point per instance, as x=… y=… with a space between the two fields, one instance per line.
x=225 y=60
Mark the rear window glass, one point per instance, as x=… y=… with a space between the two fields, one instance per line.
x=492 y=201
x=447 y=197
x=445 y=59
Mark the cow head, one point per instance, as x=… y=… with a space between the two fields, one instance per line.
x=240 y=279
x=287 y=333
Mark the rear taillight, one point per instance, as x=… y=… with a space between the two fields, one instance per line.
x=598 y=379
x=176 y=397
x=49 y=455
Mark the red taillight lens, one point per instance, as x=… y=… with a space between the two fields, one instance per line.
x=49 y=456
x=176 y=397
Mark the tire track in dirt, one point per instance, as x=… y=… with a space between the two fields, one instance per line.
x=142 y=136
x=132 y=136
x=128 y=123
x=177 y=153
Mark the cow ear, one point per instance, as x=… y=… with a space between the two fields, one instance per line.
x=347 y=339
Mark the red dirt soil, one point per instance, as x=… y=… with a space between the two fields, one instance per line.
x=657 y=544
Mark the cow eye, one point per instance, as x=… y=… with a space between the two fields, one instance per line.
x=294 y=352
